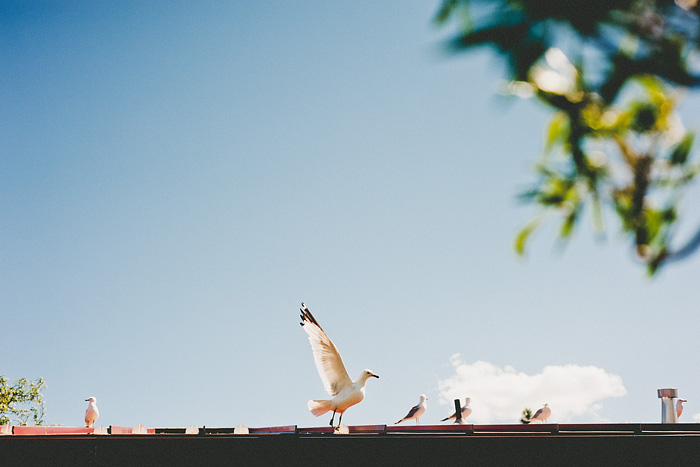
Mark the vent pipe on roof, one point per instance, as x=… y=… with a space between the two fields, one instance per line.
x=668 y=409
x=458 y=413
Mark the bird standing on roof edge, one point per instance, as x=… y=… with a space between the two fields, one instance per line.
x=679 y=407
x=542 y=414
x=344 y=392
x=466 y=411
x=416 y=411
x=91 y=414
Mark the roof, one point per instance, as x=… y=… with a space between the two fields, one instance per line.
x=502 y=445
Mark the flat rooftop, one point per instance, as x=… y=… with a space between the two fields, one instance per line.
x=533 y=444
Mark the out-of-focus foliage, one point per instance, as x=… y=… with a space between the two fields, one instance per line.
x=21 y=401
x=527 y=415
x=612 y=72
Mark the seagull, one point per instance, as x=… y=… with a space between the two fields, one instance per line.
x=416 y=411
x=541 y=414
x=466 y=411
x=344 y=392
x=91 y=414
x=679 y=407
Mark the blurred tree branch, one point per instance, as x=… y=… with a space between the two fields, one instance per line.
x=611 y=70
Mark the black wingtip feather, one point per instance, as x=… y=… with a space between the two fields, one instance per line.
x=307 y=316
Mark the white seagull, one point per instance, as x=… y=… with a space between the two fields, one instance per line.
x=416 y=411
x=541 y=414
x=91 y=414
x=344 y=392
x=679 y=407
x=466 y=411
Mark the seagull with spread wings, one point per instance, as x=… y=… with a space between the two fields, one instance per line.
x=344 y=392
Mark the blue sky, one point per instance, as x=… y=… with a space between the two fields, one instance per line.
x=176 y=177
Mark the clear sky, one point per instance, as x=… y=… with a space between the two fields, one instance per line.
x=176 y=177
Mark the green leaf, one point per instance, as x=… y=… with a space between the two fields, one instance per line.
x=568 y=226
x=446 y=9
x=656 y=262
x=524 y=234
x=507 y=32
x=598 y=222
x=645 y=117
x=528 y=196
x=558 y=130
x=679 y=156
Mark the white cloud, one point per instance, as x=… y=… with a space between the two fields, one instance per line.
x=499 y=395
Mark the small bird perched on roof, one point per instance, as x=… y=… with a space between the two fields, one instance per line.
x=541 y=414
x=336 y=381
x=91 y=414
x=466 y=411
x=679 y=407
x=416 y=411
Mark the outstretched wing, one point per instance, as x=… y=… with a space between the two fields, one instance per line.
x=326 y=356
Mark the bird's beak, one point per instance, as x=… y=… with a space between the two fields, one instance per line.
x=376 y=376
x=87 y=400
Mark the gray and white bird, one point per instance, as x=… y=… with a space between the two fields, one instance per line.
x=416 y=411
x=542 y=414
x=91 y=414
x=466 y=411
x=679 y=407
x=344 y=392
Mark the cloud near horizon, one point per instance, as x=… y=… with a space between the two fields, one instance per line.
x=499 y=395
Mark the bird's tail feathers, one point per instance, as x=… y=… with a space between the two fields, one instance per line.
x=319 y=407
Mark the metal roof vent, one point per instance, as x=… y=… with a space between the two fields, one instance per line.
x=668 y=409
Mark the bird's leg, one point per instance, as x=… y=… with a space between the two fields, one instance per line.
x=333 y=418
x=340 y=419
